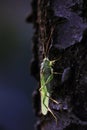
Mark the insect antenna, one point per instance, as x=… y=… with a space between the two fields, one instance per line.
x=49 y=39
x=44 y=35
x=44 y=50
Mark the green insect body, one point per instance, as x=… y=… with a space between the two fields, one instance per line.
x=46 y=76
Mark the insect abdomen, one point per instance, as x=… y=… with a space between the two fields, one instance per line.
x=44 y=100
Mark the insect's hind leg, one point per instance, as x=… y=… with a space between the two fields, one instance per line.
x=50 y=111
x=53 y=100
x=40 y=89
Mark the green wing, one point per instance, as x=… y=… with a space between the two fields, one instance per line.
x=44 y=96
x=44 y=100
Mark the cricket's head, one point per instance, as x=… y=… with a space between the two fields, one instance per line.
x=46 y=62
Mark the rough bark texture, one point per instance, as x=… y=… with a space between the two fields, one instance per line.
x=69 y=41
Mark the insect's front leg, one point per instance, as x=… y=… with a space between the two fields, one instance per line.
x=40 y=89
x=53 y=61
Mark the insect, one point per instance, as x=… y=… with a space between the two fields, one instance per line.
x=46 y=76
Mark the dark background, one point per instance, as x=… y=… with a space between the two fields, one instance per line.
x=16 y=84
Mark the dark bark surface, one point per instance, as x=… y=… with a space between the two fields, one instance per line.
x=69 y=41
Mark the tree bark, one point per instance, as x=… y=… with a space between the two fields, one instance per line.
x=69 y=41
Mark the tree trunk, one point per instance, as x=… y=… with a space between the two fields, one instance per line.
x=69 y=41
